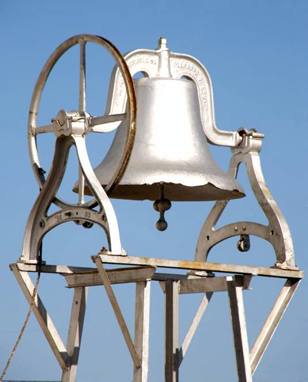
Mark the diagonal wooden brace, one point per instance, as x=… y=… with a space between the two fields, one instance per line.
x=43 y=318
x=118 y=313
x=285 y=296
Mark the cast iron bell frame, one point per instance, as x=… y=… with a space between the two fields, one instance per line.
x=70 y=129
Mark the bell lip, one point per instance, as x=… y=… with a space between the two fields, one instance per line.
x=172 y=191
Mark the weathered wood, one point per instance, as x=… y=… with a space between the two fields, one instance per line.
x=118 y=313
x=172 y=355
x=51 y=268
x=173 y=285
x=239 y=331
x=75 y=334
x=272 y=322
x=203 y=285
x=142 y=329
x=195 y=324
x=201 y=266
x=43 y=318
x=116 y=276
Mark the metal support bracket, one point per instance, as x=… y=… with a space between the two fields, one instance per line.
x=277 y=231
x=40 y=223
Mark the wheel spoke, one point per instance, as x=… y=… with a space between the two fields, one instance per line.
x=82 y=108
x=97 y=124
x=43 y=129
x=81 y=187
x=82 y=77
x=101 y=124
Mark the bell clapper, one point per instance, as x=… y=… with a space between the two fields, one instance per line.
x=243 y=245
x=161 y=205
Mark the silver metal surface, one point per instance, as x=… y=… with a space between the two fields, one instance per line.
x=164 y=63
x=70 y=128
x=277 y=232
x=170 y=148
x=82 y=108
x=90 y=123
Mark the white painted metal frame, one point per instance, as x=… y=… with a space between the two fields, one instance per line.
x=70 y=129
x=277 y=232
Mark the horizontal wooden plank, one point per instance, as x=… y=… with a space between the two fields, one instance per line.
x=116 y=276
x=191 y=284
x=203 y=285
x=201 y=266
x=51 y=268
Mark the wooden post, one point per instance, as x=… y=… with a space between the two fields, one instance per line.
x=75 y=333
x=235 y=292
x=171 y=331
x=142 y=328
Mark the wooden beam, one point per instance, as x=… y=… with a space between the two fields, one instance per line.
x=116 y=276
x=201 y=266
x=51 y=268
x=203 y=285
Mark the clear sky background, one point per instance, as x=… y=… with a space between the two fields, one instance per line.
x=257 y=55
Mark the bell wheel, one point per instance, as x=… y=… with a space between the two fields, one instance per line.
x=62 y=123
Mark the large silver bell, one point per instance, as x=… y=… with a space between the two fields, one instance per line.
x=170 y=159
x=170 y=152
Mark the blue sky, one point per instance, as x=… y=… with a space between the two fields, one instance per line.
x=257 y=55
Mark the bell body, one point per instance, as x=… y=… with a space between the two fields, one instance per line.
x=170 y=156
